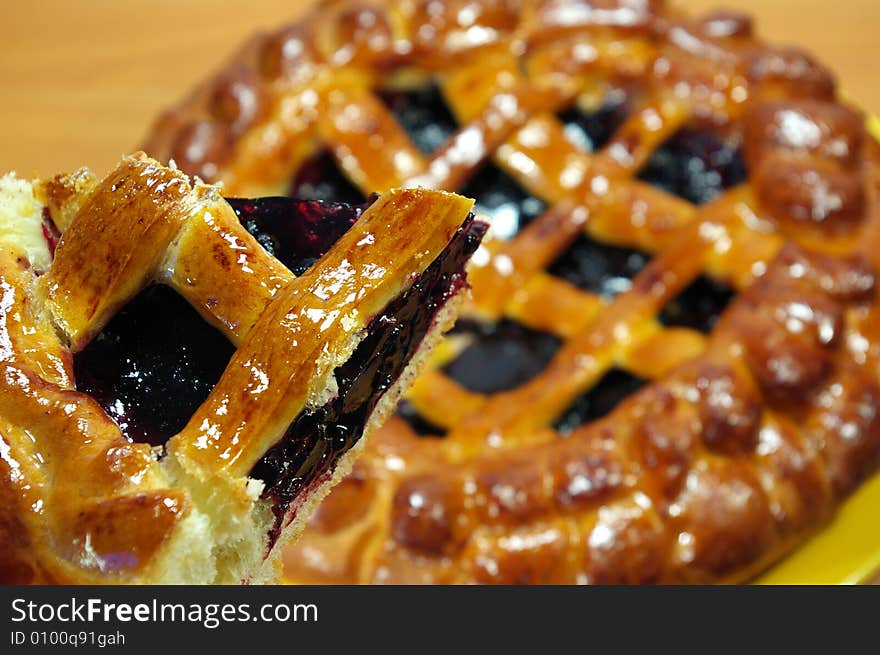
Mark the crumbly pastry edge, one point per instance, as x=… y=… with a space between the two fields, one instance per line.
x=193 y=109
x=223 y=536
x=270 y=571
x=21 y=220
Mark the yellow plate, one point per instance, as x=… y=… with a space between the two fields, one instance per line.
x=848 y=550
x=845 y=552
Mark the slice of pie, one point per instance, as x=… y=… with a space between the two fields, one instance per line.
x=185 y=377
x=669 y=372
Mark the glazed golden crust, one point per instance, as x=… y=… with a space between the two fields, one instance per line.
x=76 y=491
x=736 y=450
x=312 y=324
x=694 y=479
x=81 y=503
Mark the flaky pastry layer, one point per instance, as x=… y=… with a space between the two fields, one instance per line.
x=81 y=504
x=658 y=492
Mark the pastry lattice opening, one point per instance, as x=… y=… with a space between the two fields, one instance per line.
x=598 y=268
x=149 y=384
x=590 y=129
x=667 y=154
x=696 y=165
x=505 y=204
x=500 y=356
x=321 y=179
x=614 y=387
x=423 y=114
x=698 y=306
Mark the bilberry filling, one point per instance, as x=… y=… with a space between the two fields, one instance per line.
x=695 y=165
x=157 y=360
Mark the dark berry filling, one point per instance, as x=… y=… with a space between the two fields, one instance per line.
x=157 y=360
x=312 y=445
x=614 y=387
x=319 y=178
x=698 y=306
x=423 y=114
x=151 y=389
x=695 y=165
x=599 y=268
x=152 y=365
x=508 y=207
x=419 y=424
x=501 y=356
x=591 y=130
x=296 y=232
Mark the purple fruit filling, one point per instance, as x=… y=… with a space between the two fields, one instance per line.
x=311 y=447
x=151 y=385
x=698 y=306
x=424 y=115
x=615 y=386
x=501 y=356
x=152 y=365
x=591 y=130
x=319 y=178
x=693 y=164
x=296 y=232
x=597 y=267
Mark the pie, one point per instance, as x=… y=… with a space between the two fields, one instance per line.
x=669 y=368
x=184 y=377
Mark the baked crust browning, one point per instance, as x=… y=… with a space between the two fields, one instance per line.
x=81 y=503
x=744 y=440
x=708 y=474
x=721 y=472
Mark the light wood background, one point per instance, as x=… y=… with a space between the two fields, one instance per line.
x=82 y=80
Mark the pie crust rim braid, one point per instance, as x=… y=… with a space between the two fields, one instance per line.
x=84 y=504
x=500 y=506
x=851 y=541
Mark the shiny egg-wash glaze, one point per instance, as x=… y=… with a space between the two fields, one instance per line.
x=82 y=501
x=151 y=390
x=313 y=444
x=742 y=442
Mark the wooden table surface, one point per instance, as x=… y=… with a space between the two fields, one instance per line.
x=83 y=79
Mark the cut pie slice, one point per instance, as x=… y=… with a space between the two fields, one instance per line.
x=669 y=370
x=177 y=397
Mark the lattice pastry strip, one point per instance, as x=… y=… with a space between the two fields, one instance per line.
x=103 y=508
x=505 y=496
x=625 y=325
x=630 y=497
